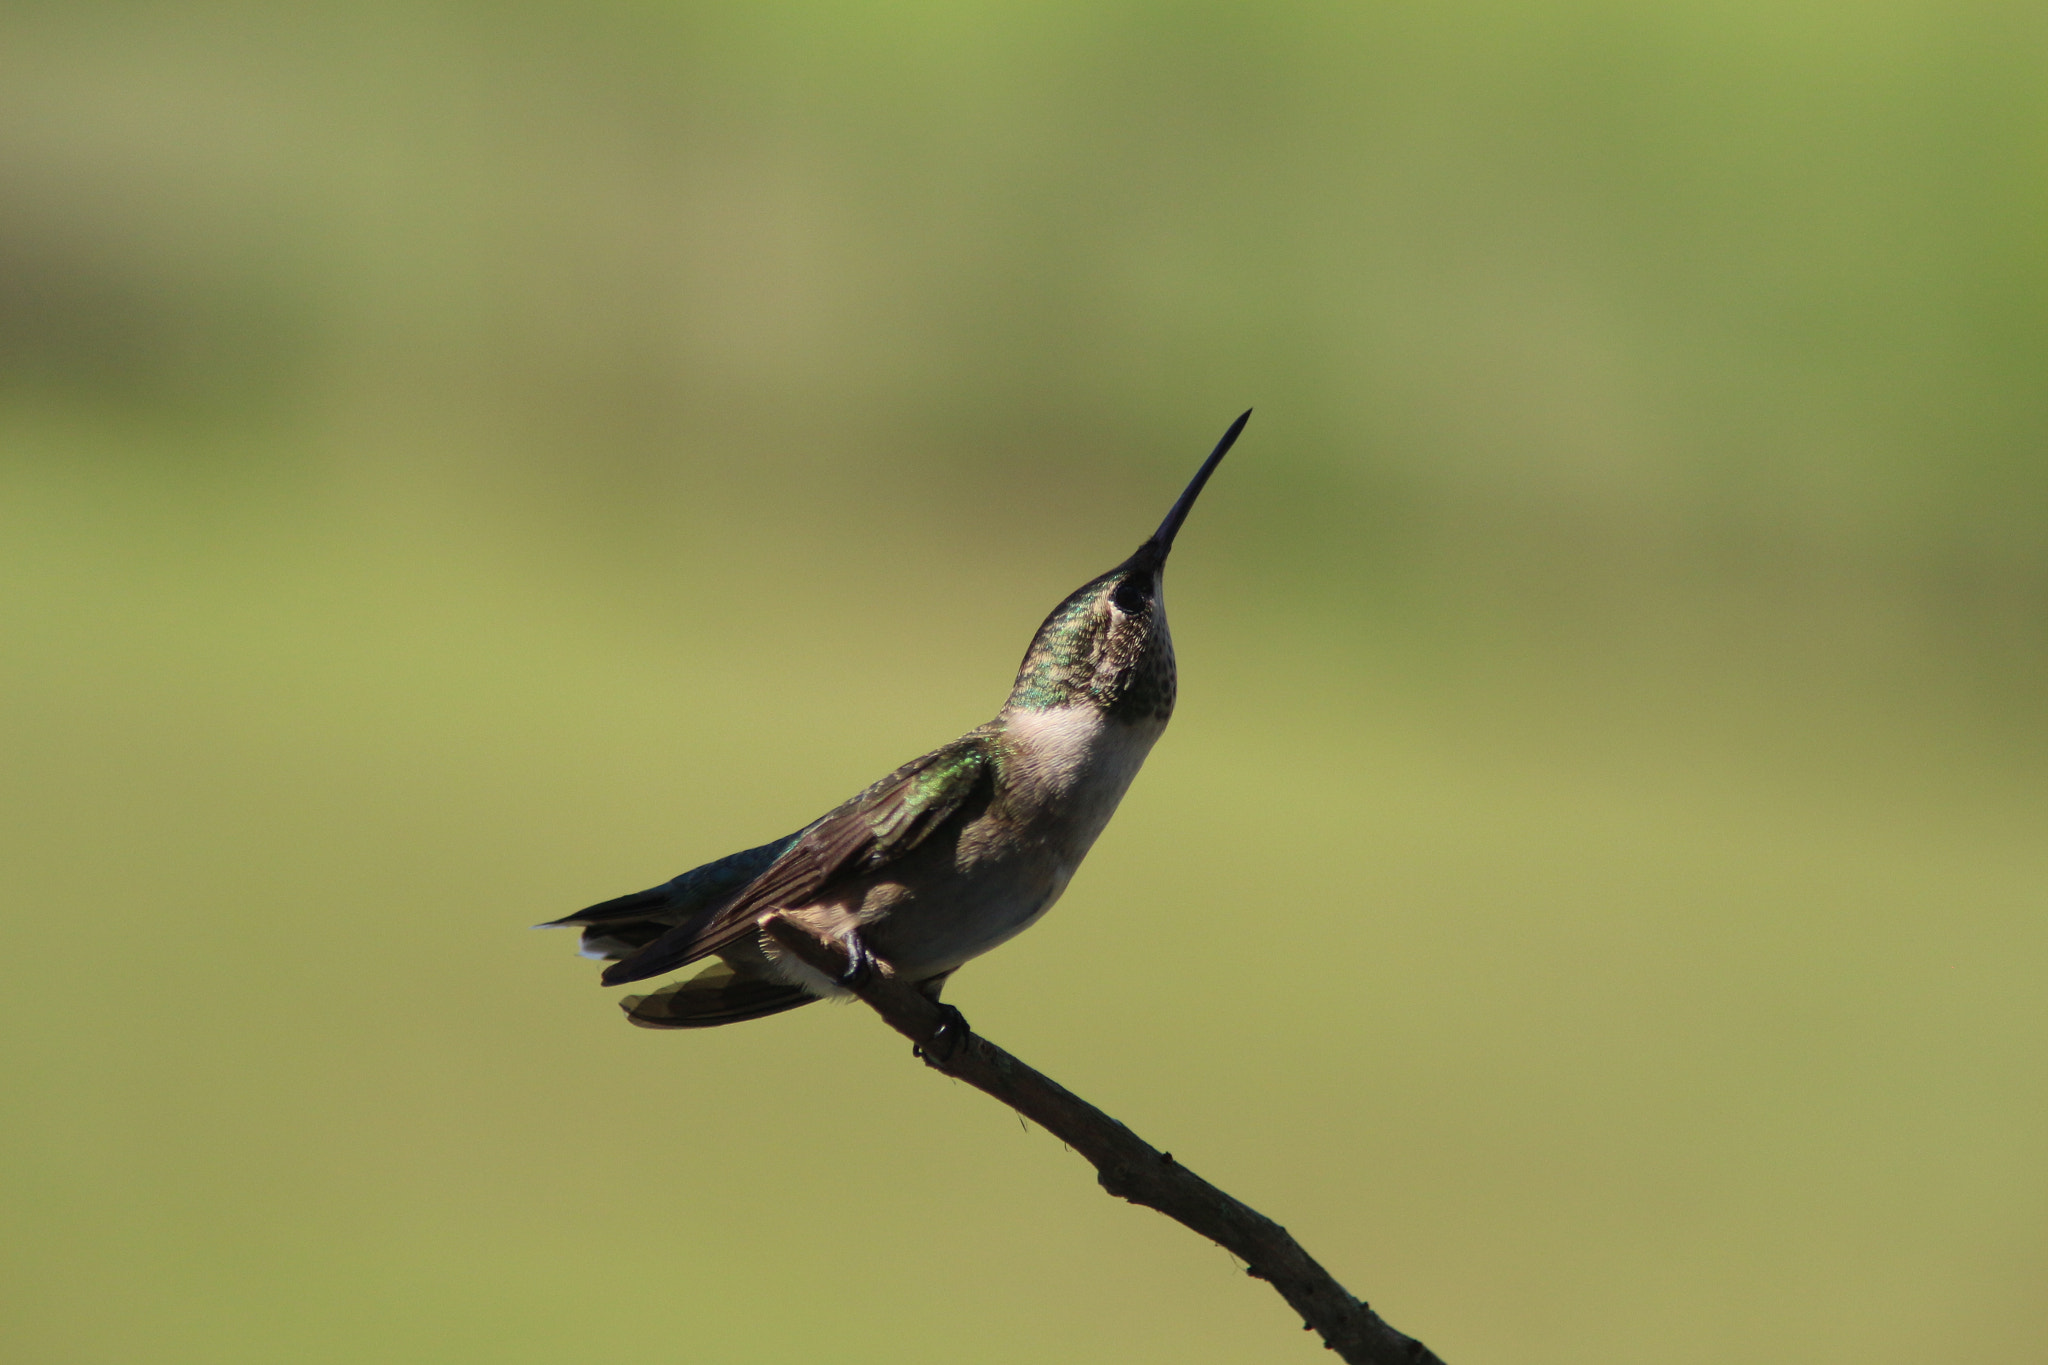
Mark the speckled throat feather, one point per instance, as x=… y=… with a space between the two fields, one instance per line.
x=1087 y=651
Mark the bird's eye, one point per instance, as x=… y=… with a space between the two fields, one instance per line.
x=1131 y=596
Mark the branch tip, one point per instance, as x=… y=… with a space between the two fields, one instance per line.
x=1126 y=1166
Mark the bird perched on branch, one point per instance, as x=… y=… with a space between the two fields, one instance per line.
x=948 y=856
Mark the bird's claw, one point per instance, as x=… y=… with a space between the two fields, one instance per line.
x=860 y=964
x=946 y=1039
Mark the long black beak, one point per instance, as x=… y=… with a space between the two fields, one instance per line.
x=1162 y=539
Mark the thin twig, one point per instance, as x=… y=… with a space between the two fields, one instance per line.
x=1128 y=1167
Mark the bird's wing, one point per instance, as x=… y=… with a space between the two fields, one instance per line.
x=860 y=837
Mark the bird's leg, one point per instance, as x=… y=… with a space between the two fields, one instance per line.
x=946 y=1038
x=860 y=962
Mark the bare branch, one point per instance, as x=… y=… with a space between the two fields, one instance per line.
x=1128 y=1167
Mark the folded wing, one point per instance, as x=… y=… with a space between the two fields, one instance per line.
x=858 y=839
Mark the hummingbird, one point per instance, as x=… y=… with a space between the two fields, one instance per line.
x=946 y=857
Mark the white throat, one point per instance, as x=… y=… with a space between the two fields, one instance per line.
x=1075 y=754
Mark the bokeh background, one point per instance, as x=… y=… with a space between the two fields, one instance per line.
x=463 y=462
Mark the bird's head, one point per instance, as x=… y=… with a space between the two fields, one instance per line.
x=1107 y=644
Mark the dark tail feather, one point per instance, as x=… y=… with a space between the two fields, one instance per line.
x=610 y=942
x=676 y=946
x=618 y=928
x=635 y=906
x=717 y=995
x=621 y=927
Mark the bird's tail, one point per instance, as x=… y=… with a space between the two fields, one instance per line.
x=619 y=928
x=717 y=995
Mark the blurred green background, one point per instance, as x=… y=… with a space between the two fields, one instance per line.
x=463 y=462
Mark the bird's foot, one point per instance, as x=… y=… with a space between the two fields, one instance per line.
x=860 y=964
x=946 y=1039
